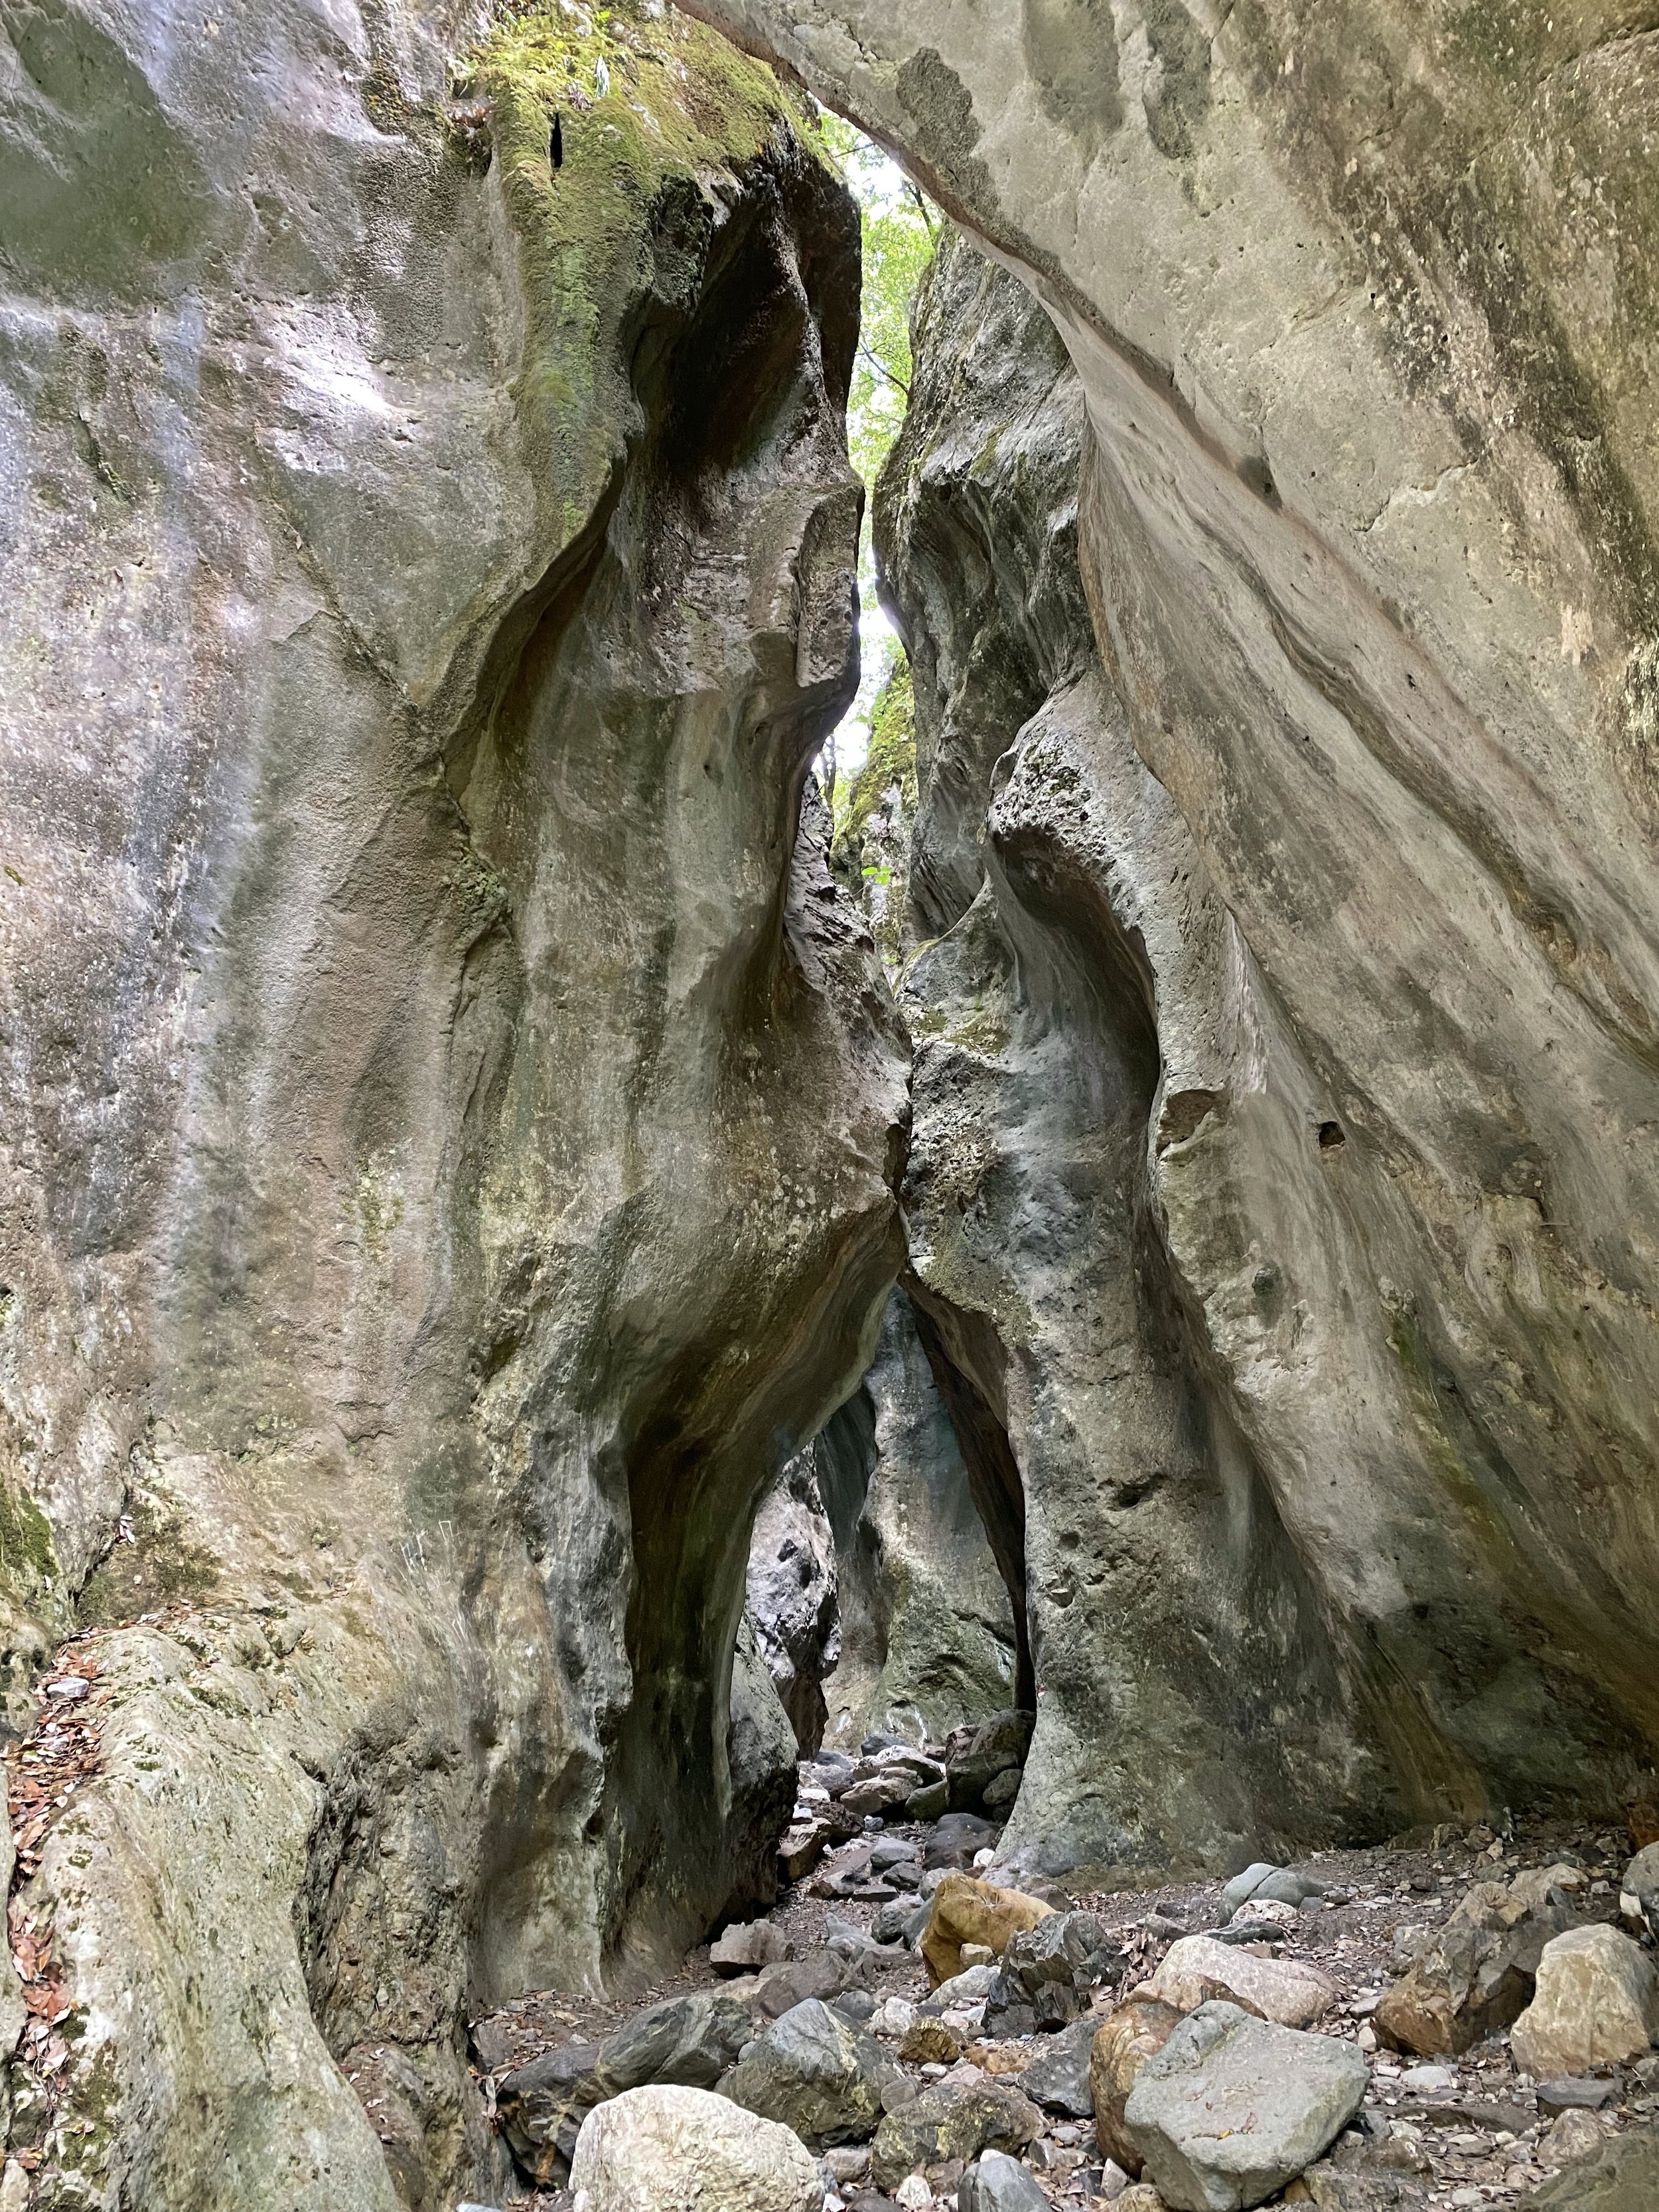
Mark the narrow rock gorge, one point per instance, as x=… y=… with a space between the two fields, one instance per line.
x=551 y=1267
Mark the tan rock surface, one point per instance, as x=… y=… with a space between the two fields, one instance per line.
x=1121 y=2046
x=970 y=1912
x=1196 y=1968
x=1596 y=2003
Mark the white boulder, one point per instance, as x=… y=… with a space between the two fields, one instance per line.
x=688 y=2150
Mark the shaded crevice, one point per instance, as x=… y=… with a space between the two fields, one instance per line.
x=968 y=1362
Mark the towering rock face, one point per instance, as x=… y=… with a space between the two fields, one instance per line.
x=1072 y=962
x=1360 y=300
x=928 y=1634
x=449 y=1113
x=876 y=1598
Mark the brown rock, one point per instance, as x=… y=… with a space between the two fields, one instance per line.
x=1120 y=2048
x=1477 y=1974
x=970 y=1912
x=930 y=2043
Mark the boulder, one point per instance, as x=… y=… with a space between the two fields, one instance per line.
x=1046 y=1969
x=1574 y=2138
x=687 y=2041
x=1244 y=1887
x=1639 y=1893
x=802 y=1847
x=1568 y=2093
x=930 y=2042
x=1476 y=1975
x=1285 y=1886
x=891 y=1922
x=540 y=2108
x=816 y=2073
x=1233 y=2107
x=820 y=1974
x=999 y=1794
x=968 y=1912
x=955 y=1838
x=928 y=1802
x=947 y=2122
x=1623 y=2177
x=895 y=1851
x=1058 y=2078
x=880 y=1793
x=744 y=1950
x=1541 y=1889
x=1596 y=2004
x=684 y=2150
x=997 y=2183
x=1198 y=1968
x=1121 y=2046
x=974 y=1757
x=970 y=1987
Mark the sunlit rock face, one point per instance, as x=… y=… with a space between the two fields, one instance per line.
x=449 y=1112
x=1359 y=301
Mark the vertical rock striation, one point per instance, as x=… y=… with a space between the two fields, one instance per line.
x=449 y=1111
x=1067 y=1003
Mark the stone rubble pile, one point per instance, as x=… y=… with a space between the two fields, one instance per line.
x=1396 y=2031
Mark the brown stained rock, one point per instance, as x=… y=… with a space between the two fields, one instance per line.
x=930 y=2042
x=1121 y=2046
x=970 y=1912
x=1476 y=1975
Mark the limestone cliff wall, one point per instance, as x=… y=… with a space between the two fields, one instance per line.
x=876 y=1596
x=1360 y=302
x=448 y=1113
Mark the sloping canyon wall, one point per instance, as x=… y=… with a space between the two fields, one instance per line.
x=449 y=1118
x=1283 y=1185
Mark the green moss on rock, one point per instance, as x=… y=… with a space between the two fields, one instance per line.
x=645 y=103
x=161 y=1566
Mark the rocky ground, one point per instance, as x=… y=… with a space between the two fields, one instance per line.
x=1463 y=2131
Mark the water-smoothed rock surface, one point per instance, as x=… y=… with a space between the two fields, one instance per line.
x=449 y=1112
x=873 y=1585
x=1324 y=901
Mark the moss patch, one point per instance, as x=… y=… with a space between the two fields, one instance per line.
x=891 y=760
x=161 y=1566
x=644 y=103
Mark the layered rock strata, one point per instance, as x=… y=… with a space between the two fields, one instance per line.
x=1359 y=301
x=449 y=1113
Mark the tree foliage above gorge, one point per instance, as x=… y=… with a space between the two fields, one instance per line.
x=900 y=230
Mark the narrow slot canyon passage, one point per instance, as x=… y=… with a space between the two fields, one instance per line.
x=828 y=1323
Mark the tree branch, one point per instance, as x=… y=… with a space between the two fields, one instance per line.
x=882 y=371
